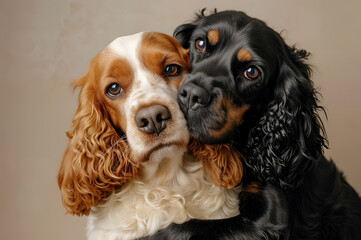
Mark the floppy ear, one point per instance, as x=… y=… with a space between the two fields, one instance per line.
x=222 y=163
x=183 y=34
x=288 y=139
x=96 y=160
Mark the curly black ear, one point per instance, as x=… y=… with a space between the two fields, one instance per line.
x=183 y=33
x=289 y=137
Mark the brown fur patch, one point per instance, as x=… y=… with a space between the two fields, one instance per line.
x=244 y=55
x=252 y=187
x=234 y=116
x=96 y=160
x=120 y=71
x=213 y=36
x=222 y=163
x=158 y=50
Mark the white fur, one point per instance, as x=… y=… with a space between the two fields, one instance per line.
x=144 y=206
x=172 y=186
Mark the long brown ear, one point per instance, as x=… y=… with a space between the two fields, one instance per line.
x=96 y=160
x=222 y=163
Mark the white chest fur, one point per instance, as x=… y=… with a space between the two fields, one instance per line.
x=178 y=192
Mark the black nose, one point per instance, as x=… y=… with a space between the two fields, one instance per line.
x=152 y=119
x=193 y=96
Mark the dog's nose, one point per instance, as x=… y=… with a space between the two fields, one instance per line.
x=193 y=96
x=152 y=119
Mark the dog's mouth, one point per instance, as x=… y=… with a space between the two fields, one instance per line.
x=216 y=122
x=211 y=113
x=162 y=150
x=148 y=142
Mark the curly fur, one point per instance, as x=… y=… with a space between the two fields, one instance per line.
x=283 y=135
x=96 y=161
x=222 y=163
x=186 y=194
x=129 y=180
x=286 y=143
x=294 y=192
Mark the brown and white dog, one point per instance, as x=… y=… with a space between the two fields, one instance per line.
x=126 y=164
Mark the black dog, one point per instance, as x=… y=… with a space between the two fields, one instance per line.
x=248 y=88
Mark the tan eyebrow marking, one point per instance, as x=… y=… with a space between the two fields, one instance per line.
x=244 y=55
x=213 y=36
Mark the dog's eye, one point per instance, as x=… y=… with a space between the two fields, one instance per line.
x=114 y=90
x=201 y=45
x=252 y=73
x=172 y=70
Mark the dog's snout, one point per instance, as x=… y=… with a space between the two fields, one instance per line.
x=152 y=119
x=193 y=96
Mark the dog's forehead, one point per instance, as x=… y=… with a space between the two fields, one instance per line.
x=126 y=47
x=249 y=38
x=232 y=18
x=148 y=48
x=232 y=25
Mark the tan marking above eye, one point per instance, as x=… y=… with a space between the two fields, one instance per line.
x=244 y=55
x=213 y=36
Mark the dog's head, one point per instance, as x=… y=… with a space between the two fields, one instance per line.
x=249 y=88
x=127 y=115
x=234 y=60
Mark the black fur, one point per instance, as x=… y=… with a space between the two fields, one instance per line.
x=304 y=195
x=262 y=216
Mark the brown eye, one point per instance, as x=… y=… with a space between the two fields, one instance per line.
x=114 y=90
x=172 y=70
x=252 y=73
x=201 y=45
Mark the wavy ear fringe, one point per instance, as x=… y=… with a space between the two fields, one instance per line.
x=288 y=140
x=183 y=34
x=96 y=161
x=222 y=163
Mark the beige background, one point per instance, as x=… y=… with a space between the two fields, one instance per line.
x=44 y=44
